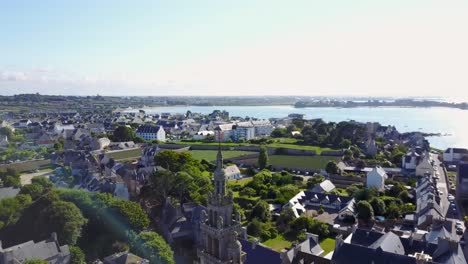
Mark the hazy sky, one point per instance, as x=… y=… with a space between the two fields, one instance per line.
x=241 y=47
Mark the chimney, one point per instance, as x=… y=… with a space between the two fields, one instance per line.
x=255 y=243
x=338 y=241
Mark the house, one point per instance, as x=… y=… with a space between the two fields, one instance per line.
x=124 y=258
x=203 y=134
x=302 y=202
x=4 y=141
x=169 y=126
x=425 y=166
x=428 y=203
x=454 y=155
x=257 y=253
x=24 y=123
x=224 y=132
x=48 y=250
x=369 y=247
x=309 y=246
x=150 y=133
x=462 y=182
x=232 y=172
x=263 y=128
x=323 y=187
x=371 y=148
x=243 y=131
x=376 y=178
x=100 y=143
x=411 y=160
x=8 y=192
x=96 y=128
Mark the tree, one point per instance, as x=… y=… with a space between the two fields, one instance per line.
x=152 y=246
x=34 y=190
x=64 y=218
x=123 y=133
x=261 y=211
x=314 y=180
x=77 y=255
x=378 y=206
x=11 y=181
x=393 y=211
x=361 y=164
x=332 y=168
x=263 y=158
x=247 y=191
x=365 y=211
x=345 y=143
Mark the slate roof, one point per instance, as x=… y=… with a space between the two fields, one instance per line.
x=148 y=129
x=48 y=250
x=259 y=254
x=356 y=254
x=8 y=192
x=124 y=258
x=324 y=186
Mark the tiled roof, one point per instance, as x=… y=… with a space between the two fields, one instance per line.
x=259 y=254
x=148 y=129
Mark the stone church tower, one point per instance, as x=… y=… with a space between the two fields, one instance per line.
x=219 y=229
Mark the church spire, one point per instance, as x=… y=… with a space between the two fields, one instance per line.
x=219 y=157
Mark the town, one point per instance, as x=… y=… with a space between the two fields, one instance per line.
x=120 y=186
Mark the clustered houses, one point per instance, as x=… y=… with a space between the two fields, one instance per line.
x=306 y=202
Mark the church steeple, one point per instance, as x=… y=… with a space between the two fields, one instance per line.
x=219 y=227
x=219 y=174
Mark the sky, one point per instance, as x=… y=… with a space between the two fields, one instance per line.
x=242 y=47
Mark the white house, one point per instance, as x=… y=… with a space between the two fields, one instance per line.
x=455 y=155
x=203 y=134
x=410 y=160
x=263 y=128
x=425 y=167
x=151 y=133
x=243 y=130
x=232 y=172
x=376 y=178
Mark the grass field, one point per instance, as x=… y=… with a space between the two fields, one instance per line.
x=241 y=182
x=125 y=154
x=210 y=155
x=328 y=245
x=305 y=162
x=27 y=165
x=279 y=243
x=289 y=143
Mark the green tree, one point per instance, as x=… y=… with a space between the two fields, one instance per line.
x=261 y=211
x=378 y=206
x=332 y=168
x=152 y=246
x=263 y=158
x=12 y=181
x=314 y=180
x=64 y=218
x=365 y=211
x=77 y=255
x=34 y=190
x=393 y=211
x=123 y=133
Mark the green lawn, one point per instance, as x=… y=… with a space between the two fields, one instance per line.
x=279 y=243
x=125 y=154
x=289 y=143
x=241 y=182
x=210 y=155
x=328 y=245
x=305 y=162
x=27 y=165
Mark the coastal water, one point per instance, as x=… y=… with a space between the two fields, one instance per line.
x=450 y=122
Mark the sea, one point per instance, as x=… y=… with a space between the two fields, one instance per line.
x=451 y=123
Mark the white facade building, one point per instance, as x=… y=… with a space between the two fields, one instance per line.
x=151 y=133
x=376 y=178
